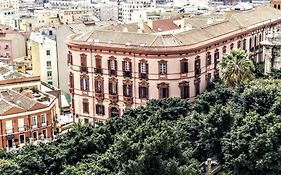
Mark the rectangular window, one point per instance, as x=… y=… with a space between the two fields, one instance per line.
x=164 y=92
x=50 y=82
x=224 y=49
x=113 y=88
x=21 y=124
x=239 y=44
x=184 y=90
x=22 y=139
x=197 y=87
x=244 y=44
x=127 y=66
x=49 y=64
x=197 y=67
x=184 y=67
x=127 y=90
x=85 y=106
x=35 y=135
x=49 y=73
x=71 y=80
x=43 y=119
x=112 y=67
x=34 y=121
x=163 y=68
x=112 y=64
x=70 y=58
x=98 y=86
x=48 y=52
x=231 y=46
x=84 y=84
x=143 y=68
x=44 y=132
x=9 y=127
x=208 y=59
x=100 y=109
x=143 y=92
x=86 y=121
x=98 y=69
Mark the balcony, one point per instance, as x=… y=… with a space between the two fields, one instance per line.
x=98 y=71
x=113 y=98
x=127 y=74
x=21 y=128
x=9 y=131
x=34 y=127
x=143 y=76
x=112 y=72
x=44 y=125
x=83 y=69
x=197 y=72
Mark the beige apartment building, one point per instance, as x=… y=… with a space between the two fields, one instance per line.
x=111 y=71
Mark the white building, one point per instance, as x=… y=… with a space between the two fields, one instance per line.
x=6 y=4
x=106 y=11
x=68 y=4
x=9 y=17
x=127 y=8
x=44 y=56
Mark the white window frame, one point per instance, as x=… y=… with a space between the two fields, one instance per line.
x=9 y=126
x=34 y=125
x=21 y=127
x=163 y=68
x=143 y=68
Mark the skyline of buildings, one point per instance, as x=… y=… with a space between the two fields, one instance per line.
x=100 y=58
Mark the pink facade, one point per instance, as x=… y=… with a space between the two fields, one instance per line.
x=107 y=78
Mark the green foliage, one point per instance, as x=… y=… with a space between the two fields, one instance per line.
x=275 y=73
x=237 y=68
x=238 y=126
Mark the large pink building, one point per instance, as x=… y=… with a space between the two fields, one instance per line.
x=111 y=71
x=12 y=44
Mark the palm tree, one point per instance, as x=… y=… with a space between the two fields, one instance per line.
x=236 y=67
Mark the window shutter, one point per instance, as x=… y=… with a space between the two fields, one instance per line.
x=115 y=61
x=130 y=66
x=146 y=66
x=110 y=87
x=182 y=67
x=81 y=84
x=102 y=107
x=147 y=92
x=139 y=68
x=124 y=90
x=108 y=64
x=123 y=66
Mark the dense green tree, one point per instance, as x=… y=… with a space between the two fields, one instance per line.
x=238 y=126
x=236 y=68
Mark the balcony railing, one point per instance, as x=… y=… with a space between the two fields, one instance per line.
x=44 y=125
x=112 y=72
x=127 y=74
x=98 y=70
x=34 y=126
x=9 y=131
x=21 y=128
x=143 y=76
x=83 y=69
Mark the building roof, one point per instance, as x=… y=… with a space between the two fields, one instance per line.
x=237 y=22
x=22 y=102
x=164 y=25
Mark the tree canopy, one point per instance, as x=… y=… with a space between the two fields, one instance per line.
x=238 y=126
x=236 y=67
